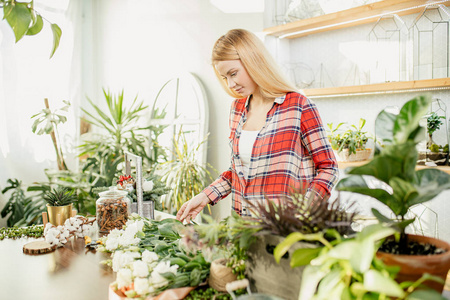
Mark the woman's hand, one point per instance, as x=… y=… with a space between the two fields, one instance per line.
x=189 y=210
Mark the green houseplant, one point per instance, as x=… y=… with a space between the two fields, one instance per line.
x=59 y=204
x=347 y=268
x=349 y=145
x=391 y=178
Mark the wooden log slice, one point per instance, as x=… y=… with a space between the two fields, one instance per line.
x=38 y=247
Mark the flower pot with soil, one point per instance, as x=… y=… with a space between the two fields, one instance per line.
x=391 y=178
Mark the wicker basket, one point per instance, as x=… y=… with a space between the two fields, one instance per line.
x=359 y=156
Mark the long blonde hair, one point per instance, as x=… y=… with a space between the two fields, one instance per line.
x=249 y=49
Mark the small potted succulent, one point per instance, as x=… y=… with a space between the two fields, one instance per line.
x=59 y=204
x=349 y=145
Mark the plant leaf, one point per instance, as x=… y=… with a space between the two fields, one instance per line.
x=375 y=281
x=36 y=26
x=303 y=256
x=19 y=18
x=407 y=121
x=56 y=37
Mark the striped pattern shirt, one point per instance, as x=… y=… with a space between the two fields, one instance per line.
x=291 y=152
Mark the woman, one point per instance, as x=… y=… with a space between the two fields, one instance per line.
x=277 y=139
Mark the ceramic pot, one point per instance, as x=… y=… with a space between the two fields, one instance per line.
x=57 y=215
x=412 y=267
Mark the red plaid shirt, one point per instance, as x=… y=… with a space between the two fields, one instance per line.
x=290 y=152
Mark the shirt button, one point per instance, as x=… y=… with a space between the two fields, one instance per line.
x=241 y=174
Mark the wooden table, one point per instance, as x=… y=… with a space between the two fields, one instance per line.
x=70 y=272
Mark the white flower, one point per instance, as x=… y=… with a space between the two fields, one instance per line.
x=147 y=186
x=140 y=268
x=111 y=244
x=149 y=256
x=123 y=278
x=156 y=279
x=122 y=259
x=142 y=286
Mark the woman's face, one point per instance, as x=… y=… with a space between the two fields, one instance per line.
x=237 y=77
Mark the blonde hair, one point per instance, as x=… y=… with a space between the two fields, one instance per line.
x=249 y=49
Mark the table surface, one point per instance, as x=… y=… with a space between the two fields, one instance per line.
x=69 y=272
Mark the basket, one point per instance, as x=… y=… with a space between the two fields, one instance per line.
x=360 y=155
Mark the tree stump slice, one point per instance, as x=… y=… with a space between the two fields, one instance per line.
x=38 y=247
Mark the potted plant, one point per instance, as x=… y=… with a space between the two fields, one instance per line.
x=435 y=153
x=347 y=268
x=391 y=178
x=59 y=204
x=349 y=145
x=276 y=220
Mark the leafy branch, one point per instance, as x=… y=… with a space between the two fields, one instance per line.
x=25 y=20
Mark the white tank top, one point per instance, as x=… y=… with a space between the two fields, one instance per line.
x=246 y=143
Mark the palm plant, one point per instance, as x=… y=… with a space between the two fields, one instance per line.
x=120 y=133
x=184 y=175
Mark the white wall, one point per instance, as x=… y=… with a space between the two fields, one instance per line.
x=334 y=50
x=144 y=43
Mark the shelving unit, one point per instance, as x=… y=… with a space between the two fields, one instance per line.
x=388 y=87
x=344 y=165
x=350 y=17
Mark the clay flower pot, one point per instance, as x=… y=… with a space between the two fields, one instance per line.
x=412 y=267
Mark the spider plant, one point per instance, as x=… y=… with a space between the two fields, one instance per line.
x=185 y=175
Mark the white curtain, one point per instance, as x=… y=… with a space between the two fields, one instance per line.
x=27 y=76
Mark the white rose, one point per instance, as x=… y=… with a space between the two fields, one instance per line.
x=147 y=186
x=141 y=286
x=123 y=278
x=140 y=268
x=112 y=244
x=149 y=256
x=123 y=259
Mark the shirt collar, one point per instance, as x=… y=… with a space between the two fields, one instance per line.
x=278 y=100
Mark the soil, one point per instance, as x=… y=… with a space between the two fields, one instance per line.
x=412 y=248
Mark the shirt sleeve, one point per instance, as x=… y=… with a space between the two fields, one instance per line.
x=316 y=141
x=220 y=188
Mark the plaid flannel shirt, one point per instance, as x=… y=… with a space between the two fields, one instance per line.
x=291 y=151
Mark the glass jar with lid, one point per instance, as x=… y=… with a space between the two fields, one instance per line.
x=112 y=209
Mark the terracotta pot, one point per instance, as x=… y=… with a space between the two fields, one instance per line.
x=412 y=267
x=57 y=215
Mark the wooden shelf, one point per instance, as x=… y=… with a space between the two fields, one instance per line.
x=350 y=17
x=344 y=165
x=401 y=86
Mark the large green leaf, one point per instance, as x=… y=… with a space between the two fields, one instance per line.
x=18 y=15
x=384 y=124
x=37 y=25
x=303 y=256
x=429 y=183
x=375 y=281
x=408 y=119
x=56 y=38
x=403 y=194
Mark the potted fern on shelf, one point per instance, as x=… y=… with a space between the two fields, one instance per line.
x=59 y=204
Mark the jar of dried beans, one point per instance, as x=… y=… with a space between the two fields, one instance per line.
x=113 y=209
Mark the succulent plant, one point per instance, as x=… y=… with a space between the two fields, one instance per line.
x=59 y=196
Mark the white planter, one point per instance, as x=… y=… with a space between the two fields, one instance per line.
x=359 y=156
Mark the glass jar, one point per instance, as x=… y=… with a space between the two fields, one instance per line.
x=112 y=209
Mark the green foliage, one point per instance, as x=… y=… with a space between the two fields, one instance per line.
x=229 y=238
x=25 y=20
x=352 y=139
x=59 y=196
x=105 y=151
x=445 y=149
x=46 y=122
x=184 y=175
x=393 y=178
x=297 y=214
x=34 y=231
x=349 y=269
x=22 y=209
x=434 y=148
x=434 y=123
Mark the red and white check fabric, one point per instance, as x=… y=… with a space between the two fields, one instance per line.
x=290 y=152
